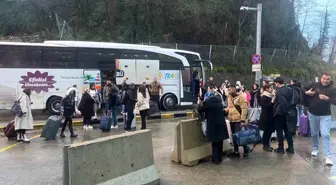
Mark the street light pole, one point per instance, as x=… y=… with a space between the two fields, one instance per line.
x=258 y=75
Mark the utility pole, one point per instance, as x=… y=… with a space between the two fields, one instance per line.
x=258 y=75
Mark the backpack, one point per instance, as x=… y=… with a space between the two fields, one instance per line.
x=121 y=98
x=16 y=108
x=295 y=97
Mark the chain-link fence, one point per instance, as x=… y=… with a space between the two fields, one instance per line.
x=221 y=54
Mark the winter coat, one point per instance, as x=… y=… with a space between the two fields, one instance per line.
x=25 y=121
x=266 y=116
x=112 y=100
x=143 y=103
x=86 y=105
x=106 y=92
x=130 y=99
x=216 y=125
x=68 y=106
x=255 y=94
x=317 y=106
x=235 y=115
x=283 y=97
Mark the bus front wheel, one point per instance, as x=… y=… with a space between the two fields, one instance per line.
x=54 y=105
x=169 y=102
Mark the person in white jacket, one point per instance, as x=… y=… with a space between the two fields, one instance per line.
x=143 y=105
x=25 y=121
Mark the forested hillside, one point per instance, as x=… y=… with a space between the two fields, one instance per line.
x=201 y=22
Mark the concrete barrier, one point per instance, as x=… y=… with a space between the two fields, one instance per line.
x=119 y=160
x=191 y=145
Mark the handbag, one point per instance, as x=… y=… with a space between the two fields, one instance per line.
x=16 y=108
x=250 y=134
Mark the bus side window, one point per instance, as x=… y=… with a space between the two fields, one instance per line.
x=20 y=57
x=59 y=58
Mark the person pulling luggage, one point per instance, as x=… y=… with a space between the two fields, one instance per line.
x=25 y=121
x=68 y=108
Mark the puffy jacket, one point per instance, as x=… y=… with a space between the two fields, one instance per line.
x=234 y=103
x=283 y=96
x=68 y=106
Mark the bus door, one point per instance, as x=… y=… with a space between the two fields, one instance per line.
x=191 y=77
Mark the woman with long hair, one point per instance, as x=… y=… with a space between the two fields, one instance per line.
x=25 y=121
x=143 y=104
x=255 y=96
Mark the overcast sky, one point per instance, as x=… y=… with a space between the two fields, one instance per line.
x=314 y=19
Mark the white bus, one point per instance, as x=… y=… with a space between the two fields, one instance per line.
x=50 y=68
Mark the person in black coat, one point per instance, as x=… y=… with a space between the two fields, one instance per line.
x=130 y=101
x=86 y=107
x=282 y=107
x=266 y=122
x=216 y=126
x=68 y=108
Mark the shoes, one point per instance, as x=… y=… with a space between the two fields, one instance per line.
x=85 y=127
x=235 y=154
x=247 y=151
x=62 y=135
x=280 y=151
x=268 y=149
x=290 y=150
x=328 y=161
x=73 y=135
x=89 y=127
x=25 y=138
x=315 y=153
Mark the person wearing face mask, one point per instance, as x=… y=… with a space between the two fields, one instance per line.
x=24 y=122
x=319 y=97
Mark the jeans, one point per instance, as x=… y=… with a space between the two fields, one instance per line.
x=87 y=121
x=114 y=116
x=106 y=108
x=156 y=98
x=299 y=109
x=323 y=124
x=68 y=121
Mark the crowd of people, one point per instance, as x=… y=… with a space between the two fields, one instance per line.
x=281 y=106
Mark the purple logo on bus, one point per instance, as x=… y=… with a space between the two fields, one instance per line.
x=38 y=82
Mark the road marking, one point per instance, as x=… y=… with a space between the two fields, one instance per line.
x=12 y=146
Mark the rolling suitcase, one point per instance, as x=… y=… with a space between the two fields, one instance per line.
x=9 y=131
x=51 y=127
x=105 y=123
x=304 y=126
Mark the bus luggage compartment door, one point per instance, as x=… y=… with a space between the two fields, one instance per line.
x=146 y=70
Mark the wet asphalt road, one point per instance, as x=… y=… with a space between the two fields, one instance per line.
x=40 y=162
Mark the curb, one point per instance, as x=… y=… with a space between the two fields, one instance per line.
x=38 y=126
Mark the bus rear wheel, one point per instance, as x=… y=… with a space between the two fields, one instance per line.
x=54 y=105
x=169 y=102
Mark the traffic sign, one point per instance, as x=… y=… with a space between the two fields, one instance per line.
x=256 y=59
x=256 y=67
